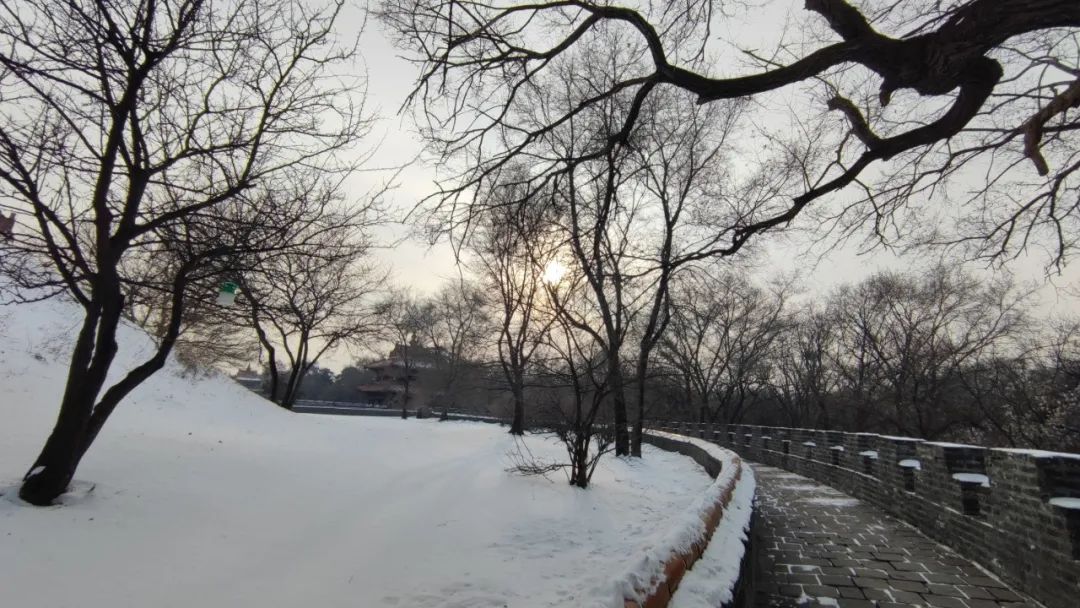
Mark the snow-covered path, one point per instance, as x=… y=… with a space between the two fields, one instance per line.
x=208 y=496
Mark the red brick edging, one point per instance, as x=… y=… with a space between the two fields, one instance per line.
x=678 y=563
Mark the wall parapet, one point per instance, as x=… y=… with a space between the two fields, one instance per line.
x=722 y=516
x=1015 y=512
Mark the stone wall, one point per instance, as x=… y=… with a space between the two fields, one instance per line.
x=1015 y=512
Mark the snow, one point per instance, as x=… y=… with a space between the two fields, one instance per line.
x=690 y=527
x=1065 y=502
x=978 y=478
x=910 y=463
x=838 y=448
x=1039 y=453
x=898 y=438
x=809 y=444
x=829 y=501
x=200 y=493
x=715 y=574
x=712 y=580
x=946 y=444
x=872 y=454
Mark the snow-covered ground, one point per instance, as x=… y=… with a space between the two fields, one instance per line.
x=205 y=495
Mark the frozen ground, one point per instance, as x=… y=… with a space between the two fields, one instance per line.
x=205 y=495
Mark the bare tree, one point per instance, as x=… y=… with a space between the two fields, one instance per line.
x=512 y=248
x=631 y=221
x=575 y=400
x=920 y=90
x=458 y=330
x=721 y=340
x=806 y=381
x=141 y=126
x=685 y=189
x=629 y=218
x=209 y=336
x=1029 y=397
x=314 y=298
x=911 y=339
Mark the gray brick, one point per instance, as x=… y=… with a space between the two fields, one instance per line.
x=909 y=586
x=847 y=562
x=882 y=595
x=868 y=573
x=984 y=581
x=942 y=601
x=950 y=590
x=871 y=583
x=947 y=579
x=851 y=592
x=976 y=592
x=909 y=597
x=821 y=591
x=907 y=576
x=1006 y=596
x=790 y=590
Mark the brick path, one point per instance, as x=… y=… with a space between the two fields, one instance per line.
x=820 y=547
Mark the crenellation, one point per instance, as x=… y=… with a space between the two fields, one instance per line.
x=993 y=505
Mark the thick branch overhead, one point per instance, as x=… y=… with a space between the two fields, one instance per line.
x=489 y=57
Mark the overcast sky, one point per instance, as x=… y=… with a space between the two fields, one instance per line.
x=390 y=79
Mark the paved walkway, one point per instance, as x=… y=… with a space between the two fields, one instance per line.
x=821 y=547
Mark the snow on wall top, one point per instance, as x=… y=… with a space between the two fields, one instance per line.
x=947 y=444
x=978 y=478
x=1038 y=453
x=1065 y=502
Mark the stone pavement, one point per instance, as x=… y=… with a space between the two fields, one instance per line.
x=820 y=547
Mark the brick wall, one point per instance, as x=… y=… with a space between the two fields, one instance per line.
x=1007 y=510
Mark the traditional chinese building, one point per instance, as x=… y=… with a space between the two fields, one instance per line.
x=249 y=378
x=403 y=378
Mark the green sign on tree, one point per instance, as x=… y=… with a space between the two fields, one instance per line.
x=227 y=295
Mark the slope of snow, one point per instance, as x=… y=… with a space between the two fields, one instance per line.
x=205 y=495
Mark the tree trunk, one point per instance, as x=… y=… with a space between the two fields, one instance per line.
x=274 y=380
x=579 y=468
x=91 y=357
x=292 y=388
x=517 y=426
x=296 y=378
x=55 y=466
x=639 y=421
x=618 y=402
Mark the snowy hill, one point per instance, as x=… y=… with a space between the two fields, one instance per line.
x=207 y=495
